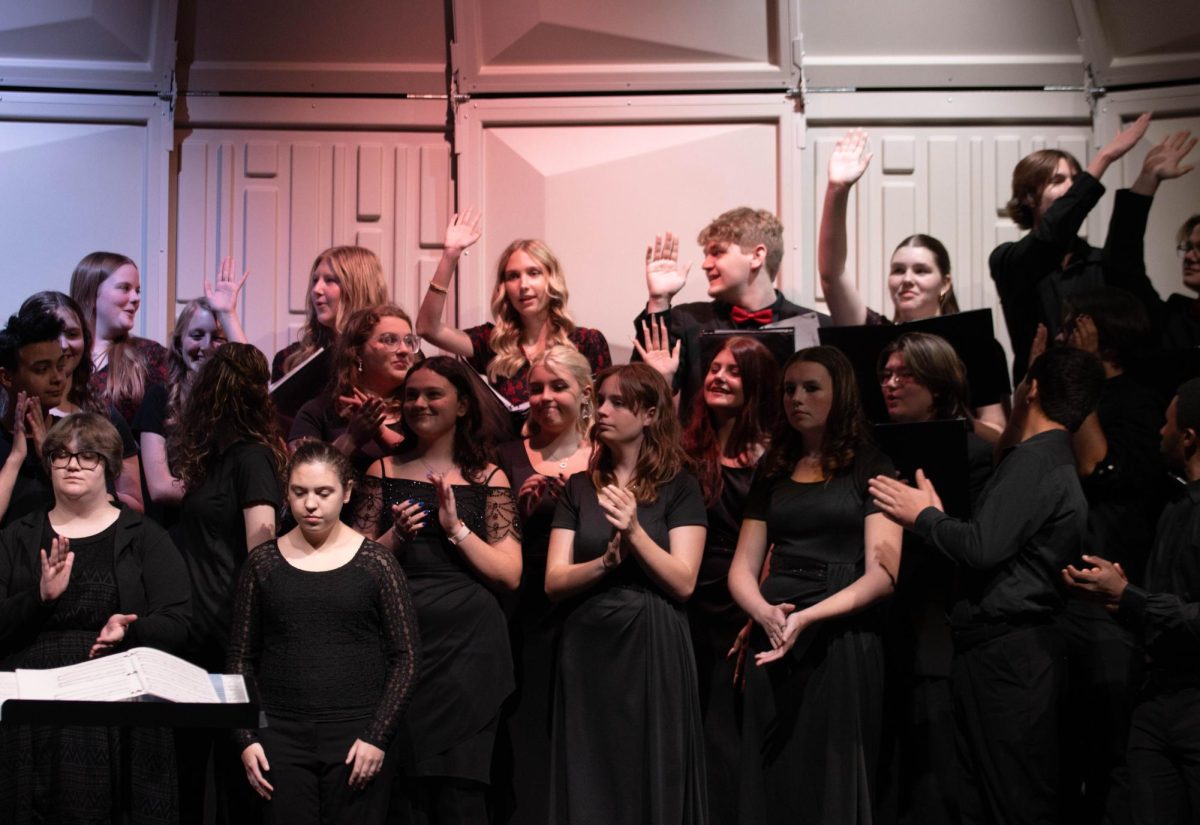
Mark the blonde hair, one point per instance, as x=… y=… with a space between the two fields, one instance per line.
x=506 y=336
x=565 y=360
x=360 y=276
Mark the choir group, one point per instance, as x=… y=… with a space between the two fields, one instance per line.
x=863 y=581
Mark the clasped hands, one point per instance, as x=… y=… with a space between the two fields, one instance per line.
x=1105 y=581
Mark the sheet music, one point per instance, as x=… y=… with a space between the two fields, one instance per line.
x=8 y=685
x=169 y=677
x=233 y=689
x=109 y=679
x=805 y=325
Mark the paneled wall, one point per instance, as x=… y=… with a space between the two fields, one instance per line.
x=273 y=199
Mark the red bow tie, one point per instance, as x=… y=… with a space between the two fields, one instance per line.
x=762 y=317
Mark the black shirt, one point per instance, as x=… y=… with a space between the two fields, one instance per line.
x=31 y=490
x=1167 y=609
x=1029 y=523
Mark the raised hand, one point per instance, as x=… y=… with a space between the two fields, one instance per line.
x=658 y=352
x=1164 y=161
x=254 y=760
x=112 y=634
x=56 y=569
x=364 y=416
x=1126 y=139
x=1085 y=336
x=463 y=230
x=367 y=761
x=663 y=278
x=850 y=158
x=223 y=295
x=20 y=446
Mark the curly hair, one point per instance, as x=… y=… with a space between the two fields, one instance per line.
x=473 y=438
x=747 y=228
x=229 y=397
x=845 y=430
x=947 y=302
x=360 y=276
x=1030 y=177
x=128 y=369
x=661 y=456
x=179 y=376
x=935 y=366
x=755 y=421
x=347 y=352
x=506 y=336
x=56 y=303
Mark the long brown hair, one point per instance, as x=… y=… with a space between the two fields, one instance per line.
x=506 y=337
x=755 y=420
x=128 y=370
x=661 y=457
x=360 y=277
x=229 y=397
x=947 y=302
x=473 y=438
x=845 y=430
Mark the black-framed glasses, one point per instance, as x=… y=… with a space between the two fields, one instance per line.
x=392 y=342
x=86 y=459
x=1184 y=248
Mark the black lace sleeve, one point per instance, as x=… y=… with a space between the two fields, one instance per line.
x=401 y=643
x=500 y=515
x=245 y=635
x=368 y=507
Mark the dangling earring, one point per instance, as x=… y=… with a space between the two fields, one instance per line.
x=358 y=363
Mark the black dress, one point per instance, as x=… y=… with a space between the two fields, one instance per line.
x=715 y=621
x=628 y=744
x=466 y=666
x=811 y=734
x=523 y=753
x=54 y=773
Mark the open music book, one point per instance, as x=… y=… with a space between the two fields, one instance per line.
x=137 y=675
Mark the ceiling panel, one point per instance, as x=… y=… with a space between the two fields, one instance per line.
x=526 y=46
x=305 y=46
x=1151 y=41
x=112 y=45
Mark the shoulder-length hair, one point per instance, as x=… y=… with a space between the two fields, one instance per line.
x=179 y=377
x=563 y=360
x=506 y=336
x=1030 y=177
x=347 y=352
x=936 y=366
x=360 y=276
x=127 y=367
x=845 y=428
x=51 y=302
x=947 y=303
x=662 y=456
x=228 y=402
x=755 y=420
x=473 y=436
x=87 y=431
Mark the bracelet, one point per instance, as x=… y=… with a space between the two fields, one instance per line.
x=440 y=290
x=460 y=535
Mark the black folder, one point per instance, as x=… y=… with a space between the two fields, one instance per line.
x=940 y=449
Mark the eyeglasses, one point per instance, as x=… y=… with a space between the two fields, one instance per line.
x=86 y=459
x=392 y=342
x=1184 y=248
x=898 y=377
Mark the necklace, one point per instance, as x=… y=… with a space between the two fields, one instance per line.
x=434 y=471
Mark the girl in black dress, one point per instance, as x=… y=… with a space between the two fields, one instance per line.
x=813 y=704
x=82 y=580
x=628 y=537
x=312 y=607
x=728 y=433
x=454 y=561
x=561 y=410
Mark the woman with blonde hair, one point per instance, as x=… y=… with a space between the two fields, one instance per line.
x=529 y=305
x=107 y=287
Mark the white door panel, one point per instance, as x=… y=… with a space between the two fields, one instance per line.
x=275 y=199
x=597 y=179
x=82 y=173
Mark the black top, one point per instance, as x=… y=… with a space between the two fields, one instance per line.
x=1167 y=609
x=1124 y=492
x=151 y=418
x=679 y=503
x=1029 y=276
x=212 y=535
x=31 y=490
x=687 y=321
x=150 y=578
x=318 y=419
x=327 y=646
x=1029 y=523
x=537 y=497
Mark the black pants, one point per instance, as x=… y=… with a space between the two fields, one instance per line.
x=311 y=778
x=1164 y=757
x=438 y=800
x=1007 y=692
x=229 y=800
